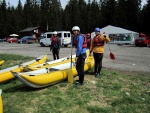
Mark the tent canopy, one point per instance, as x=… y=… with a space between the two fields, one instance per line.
x=13 y=35
x=111 y=30
x=114 y=30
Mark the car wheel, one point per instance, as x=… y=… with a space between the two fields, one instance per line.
x=42 y=44
x=65 y=45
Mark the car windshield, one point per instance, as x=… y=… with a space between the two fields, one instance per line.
x=27 y=37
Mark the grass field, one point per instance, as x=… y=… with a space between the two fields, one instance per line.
x=115 y=92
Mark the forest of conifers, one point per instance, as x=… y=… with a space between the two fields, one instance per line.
x=49 y=14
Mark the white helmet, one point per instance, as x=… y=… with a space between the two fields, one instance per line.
x=55 y=33
x=75 y=28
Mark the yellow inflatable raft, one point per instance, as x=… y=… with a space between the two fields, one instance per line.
x=1 y=62
x=55 y=75
x=50 y=63
x=6 y=74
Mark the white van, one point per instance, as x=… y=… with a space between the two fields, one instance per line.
x=65 y=37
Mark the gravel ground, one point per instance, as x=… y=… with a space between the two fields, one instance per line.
x=128 y=57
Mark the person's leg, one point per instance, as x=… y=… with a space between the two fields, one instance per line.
x=80 y=67
x=57 y=54
x=77 y=67
x=99 y=66
x=95 y=60
x=54 y=54
x=82 y=73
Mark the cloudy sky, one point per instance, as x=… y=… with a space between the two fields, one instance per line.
x=63 y=2
x=15 y=2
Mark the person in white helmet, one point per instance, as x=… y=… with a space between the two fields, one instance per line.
x=55 y=45
x=80 y=45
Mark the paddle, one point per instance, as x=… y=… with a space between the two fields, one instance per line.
x=1 y=104
x=111 y=54
x=70 y=73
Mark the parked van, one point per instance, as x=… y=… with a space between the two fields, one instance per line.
x=65 y=37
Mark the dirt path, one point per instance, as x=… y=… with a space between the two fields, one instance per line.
x=129 y=58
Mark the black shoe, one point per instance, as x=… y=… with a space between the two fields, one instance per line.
x=77 y=81
x=97 y=75
x=79 y=84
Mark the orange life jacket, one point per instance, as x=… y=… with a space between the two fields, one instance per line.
x=97 y=41
x=55 y=40
x=84 y=45
x=88 y=42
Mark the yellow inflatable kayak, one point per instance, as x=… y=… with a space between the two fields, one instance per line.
x=1 y=62
x=51 y=63
x=54 y=75
x=6 y=74
x=1 y=103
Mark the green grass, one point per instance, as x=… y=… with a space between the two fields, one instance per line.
x=11 y=60
x=115 y=92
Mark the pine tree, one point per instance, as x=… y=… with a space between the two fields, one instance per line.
x=145 y=17
x=3 y=19
x=82 y=15
x=108 y=10
x=132 y=14
x=19 y=16
x=95 y=14
x=55 y=20
x=72 y=10
x=45 y=11
x=27 y=14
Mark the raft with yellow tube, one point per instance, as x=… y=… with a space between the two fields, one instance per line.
x=55 y=75
x=6 y=75
x=50 y=63
x=1 y=62
x=1 y=103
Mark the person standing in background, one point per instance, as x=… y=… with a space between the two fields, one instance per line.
x=97 y=47
x=88 y=40
x=55 y=45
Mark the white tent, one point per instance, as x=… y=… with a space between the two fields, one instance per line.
x=13 y=35
x=110 y=30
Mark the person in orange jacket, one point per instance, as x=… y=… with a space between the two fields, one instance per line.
x=88 y=40
x=55 y=45
x=97 y=47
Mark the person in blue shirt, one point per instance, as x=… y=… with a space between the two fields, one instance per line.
x=80 y=45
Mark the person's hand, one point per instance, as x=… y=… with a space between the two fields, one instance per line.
x=90 y=53
x=104 y=36
x=76 y=59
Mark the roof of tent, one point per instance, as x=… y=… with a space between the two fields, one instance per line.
x=115 y=30
x=13 y=35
